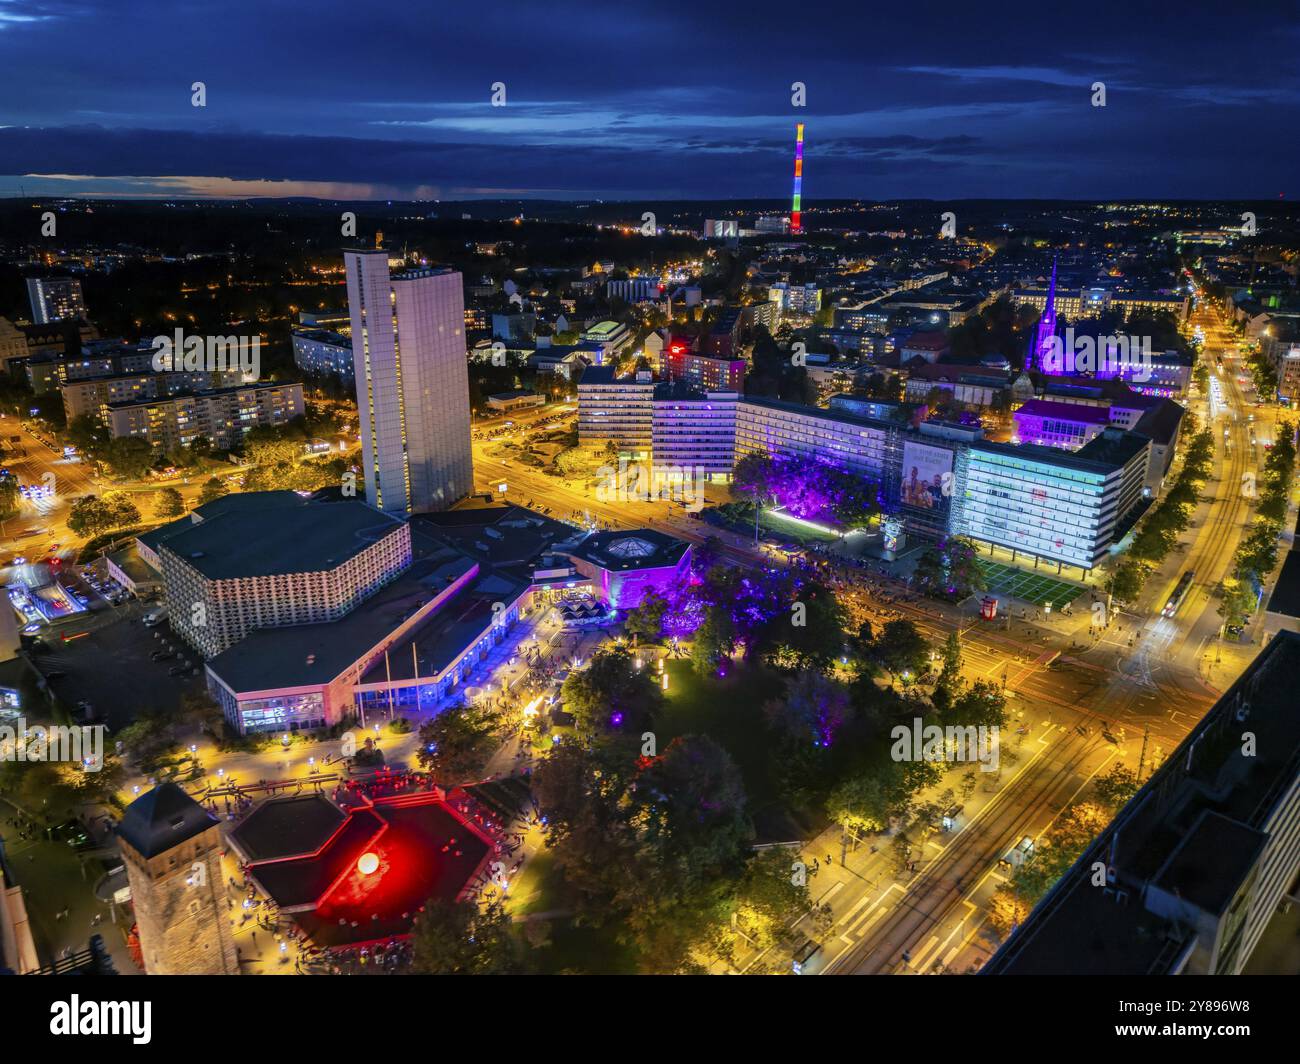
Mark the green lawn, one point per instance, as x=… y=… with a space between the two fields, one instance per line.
x=1038 y=588
x=572 y=948
x=785 y=526
x=727 y=709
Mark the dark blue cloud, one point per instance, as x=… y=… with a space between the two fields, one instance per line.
x=668 y=100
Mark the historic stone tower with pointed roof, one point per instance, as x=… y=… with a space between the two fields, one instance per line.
x=171 y=846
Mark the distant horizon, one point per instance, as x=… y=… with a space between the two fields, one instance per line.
x=677 y=102
x=778 y=205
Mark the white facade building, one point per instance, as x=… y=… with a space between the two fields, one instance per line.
x=1044 y=503
x=408 y=349
x=618 y=409
x=695 y=431
x=55 y=298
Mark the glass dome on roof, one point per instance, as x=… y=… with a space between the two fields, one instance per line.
x=631 y=547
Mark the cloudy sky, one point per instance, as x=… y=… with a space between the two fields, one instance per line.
x=620 y=100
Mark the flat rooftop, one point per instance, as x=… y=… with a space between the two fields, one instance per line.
x=503 y=535
x=639 y=548
x=1285 y=599
x=287 y=827
x=444 y=635
x=1116 y=448
x=275 y=535
x=309 y=655
x=1080 y=412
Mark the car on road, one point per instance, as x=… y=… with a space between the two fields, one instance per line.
x=178 y=670
x=1018 y=854
x=162 y=655
x=57 y=674
x=804 y=954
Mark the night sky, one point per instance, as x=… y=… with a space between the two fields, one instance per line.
x=619 y=100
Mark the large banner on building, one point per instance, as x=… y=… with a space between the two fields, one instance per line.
x=927 y=479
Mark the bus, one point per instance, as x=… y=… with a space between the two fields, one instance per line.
x=1180 y=592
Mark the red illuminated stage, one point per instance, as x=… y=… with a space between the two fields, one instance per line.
x=354 y=876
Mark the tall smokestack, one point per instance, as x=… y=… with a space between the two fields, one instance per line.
x=795 y=225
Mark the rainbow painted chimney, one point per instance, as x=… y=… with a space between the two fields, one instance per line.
x=795 y=225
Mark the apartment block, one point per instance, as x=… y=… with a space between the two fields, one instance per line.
x=224 y=416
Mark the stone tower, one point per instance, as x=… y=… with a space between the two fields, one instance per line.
x=171 y=846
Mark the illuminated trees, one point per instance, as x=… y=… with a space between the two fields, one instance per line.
x=611 y=695
x=462 y=938
x=456 y=744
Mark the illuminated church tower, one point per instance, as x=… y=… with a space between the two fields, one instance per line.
x=1046 y=329
x=171 y=847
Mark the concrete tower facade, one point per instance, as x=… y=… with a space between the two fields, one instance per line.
x=172 y=847
x=412 y=381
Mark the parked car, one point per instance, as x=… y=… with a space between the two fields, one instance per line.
x=74 y=834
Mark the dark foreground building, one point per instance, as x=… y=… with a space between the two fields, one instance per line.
x=1193 y=869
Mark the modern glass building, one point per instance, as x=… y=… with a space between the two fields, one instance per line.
x=1046 y=503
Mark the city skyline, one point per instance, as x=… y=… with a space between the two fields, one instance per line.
x=672 y=490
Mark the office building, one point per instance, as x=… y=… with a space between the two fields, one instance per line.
x=55 y=299
x=1068 y=425
x=936 y=477
x=1049 y=504
x=1090 y=302
x=979 y=386
x=412 y=383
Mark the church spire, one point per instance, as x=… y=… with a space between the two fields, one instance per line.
x=1046 y=330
